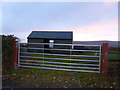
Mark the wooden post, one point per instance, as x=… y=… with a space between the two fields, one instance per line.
x=15 y=55
x=104 y=59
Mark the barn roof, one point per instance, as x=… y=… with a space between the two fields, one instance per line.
x=51 y=35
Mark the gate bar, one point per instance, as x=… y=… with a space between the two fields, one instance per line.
x=18 y=54
x=59 y=62
x=63 y=44
x=61 y=66
x=59 y=69
x=59 y=54
x=61 y=49
x=62 y=59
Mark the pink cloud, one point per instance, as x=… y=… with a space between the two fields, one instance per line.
x=98 y=30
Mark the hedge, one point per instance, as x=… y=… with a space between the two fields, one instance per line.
x=7 y=50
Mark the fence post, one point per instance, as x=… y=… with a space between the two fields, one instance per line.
x=104 y=59
x=15 y=55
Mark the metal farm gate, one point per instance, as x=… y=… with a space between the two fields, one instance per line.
x=68 y=57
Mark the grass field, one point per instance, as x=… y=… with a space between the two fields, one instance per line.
x=113 y=54
x=40 y=78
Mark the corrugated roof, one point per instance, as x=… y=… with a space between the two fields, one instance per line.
x=51 y=34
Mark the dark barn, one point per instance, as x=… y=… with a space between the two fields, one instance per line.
x=50 y=37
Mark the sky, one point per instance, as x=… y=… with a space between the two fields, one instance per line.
x=89 y=21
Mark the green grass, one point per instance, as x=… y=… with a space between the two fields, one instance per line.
x=112 y=54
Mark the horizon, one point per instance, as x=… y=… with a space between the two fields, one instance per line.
x=23 y=41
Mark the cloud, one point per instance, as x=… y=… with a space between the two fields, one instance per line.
x=90 y=21
x=98 y=30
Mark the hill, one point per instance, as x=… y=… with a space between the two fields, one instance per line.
x=113 y=44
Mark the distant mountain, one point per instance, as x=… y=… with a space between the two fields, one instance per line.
x=113 y=44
